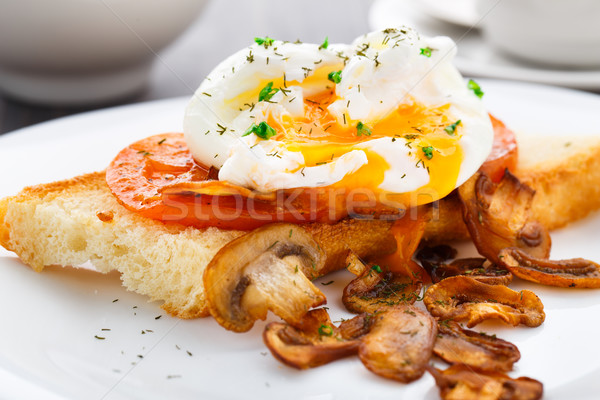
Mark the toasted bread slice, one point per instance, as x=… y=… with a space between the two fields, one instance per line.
x=73 y=221
x=564 y=172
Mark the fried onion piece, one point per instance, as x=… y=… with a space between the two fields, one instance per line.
x=376 y=289
x=399 y=344
x=315 y=342
x=461 y=382
x=456 y=345
x=575 y=272
x=461 y=298
x=498 y=216
x=480 y=269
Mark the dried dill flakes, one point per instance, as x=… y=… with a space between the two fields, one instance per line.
x=158 y=317
x=99 y=337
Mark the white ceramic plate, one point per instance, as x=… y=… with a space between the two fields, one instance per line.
x=475 y=57
x=48 y=348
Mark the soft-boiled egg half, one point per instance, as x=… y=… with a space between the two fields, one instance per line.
x=388 y=113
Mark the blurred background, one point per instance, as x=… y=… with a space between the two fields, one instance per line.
x=173 y=65
x=221 y=28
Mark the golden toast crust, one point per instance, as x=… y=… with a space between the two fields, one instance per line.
x=72 y=221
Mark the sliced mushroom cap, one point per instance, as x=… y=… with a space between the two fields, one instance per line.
x=399 y=344
x=464 y=299
x=432 y=259
x=376 y=289
x=498 y=216
x=575 y=272
x=260 y=271
x=461 y=382
x=456 y=345
x=316 y=342
x=366 y=238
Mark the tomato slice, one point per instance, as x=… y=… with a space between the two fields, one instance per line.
x=140 y=172
x=150 y=177
x=504 y=153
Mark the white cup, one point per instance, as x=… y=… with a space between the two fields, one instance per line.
x=75 y=52
x=560 y=33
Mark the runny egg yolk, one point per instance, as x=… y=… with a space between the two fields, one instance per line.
x=321 y=139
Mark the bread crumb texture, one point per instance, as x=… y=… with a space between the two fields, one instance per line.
x=65 y=223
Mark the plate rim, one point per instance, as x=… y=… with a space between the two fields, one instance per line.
x=40 y=128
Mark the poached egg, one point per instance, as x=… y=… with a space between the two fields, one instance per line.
x=388 y=114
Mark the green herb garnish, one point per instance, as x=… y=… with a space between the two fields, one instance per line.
x=426 y=51
x=475 y=88
x=362 y=129
x=325 y=43
x=262 y=130
x=266 y=41
x=376 y=268
x=325 y=330
x=267 y=92
x=451 y=129
x=335 y=76
x=428 y=151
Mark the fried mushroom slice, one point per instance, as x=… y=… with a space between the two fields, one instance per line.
x=367 y=238
x=464 y=299
x=498 y=216
x=436 y=254
x=263 y=270
x=576 y=272
x=461 y=382
x=456 y=345
x=399 y=344
x=315 y=342
x=432 y=259
x=376 y=289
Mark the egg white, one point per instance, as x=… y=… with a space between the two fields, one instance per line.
x=380 y=72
